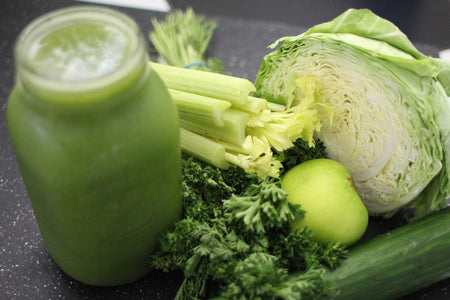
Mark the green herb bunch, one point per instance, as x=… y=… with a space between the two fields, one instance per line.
x=235 y=240
x=182 y=38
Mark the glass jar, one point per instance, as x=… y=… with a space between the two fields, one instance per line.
x=96 y=138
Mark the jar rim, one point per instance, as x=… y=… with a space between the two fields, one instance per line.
x=60 y=18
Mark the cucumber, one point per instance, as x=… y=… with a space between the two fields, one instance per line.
x=398 y=263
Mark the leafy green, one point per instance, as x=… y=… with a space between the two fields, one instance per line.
x=260 y=208
x=391 y=120
x=203 y=189
x=235 y=240
x=258 y=273
x=182 y=38
x=302 y=152
x=363 y=29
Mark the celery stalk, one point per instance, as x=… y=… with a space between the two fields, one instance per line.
x=232 y=89
x=222 y=124
x=278 y=140
x=232 y=148
x=275 y=106
x=255 y=156
x=233 y=129
x=203 y=148
x=221 y=120
x=253 y=105
x=196 y=107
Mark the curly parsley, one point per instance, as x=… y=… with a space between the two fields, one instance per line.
x=235 y=239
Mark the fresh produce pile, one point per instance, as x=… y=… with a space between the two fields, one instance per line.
x=354 y=90
x=391 y=125
x=235 y=240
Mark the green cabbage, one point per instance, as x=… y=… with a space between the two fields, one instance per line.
x=391 y=123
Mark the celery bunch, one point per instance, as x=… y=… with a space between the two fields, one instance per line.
x=222 y=123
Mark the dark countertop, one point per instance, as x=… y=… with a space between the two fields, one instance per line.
x=244 y=31
x=423 y=21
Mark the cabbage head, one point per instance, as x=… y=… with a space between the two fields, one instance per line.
x=391 y=121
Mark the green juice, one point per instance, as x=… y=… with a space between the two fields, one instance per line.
x=96 y=138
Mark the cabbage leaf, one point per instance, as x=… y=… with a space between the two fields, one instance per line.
x=391 y=121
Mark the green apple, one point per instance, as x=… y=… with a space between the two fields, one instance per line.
x=325 y=191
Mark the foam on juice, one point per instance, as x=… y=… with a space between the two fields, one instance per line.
x=79 y=52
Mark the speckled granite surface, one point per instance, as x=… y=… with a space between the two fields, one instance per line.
x=26 y=269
